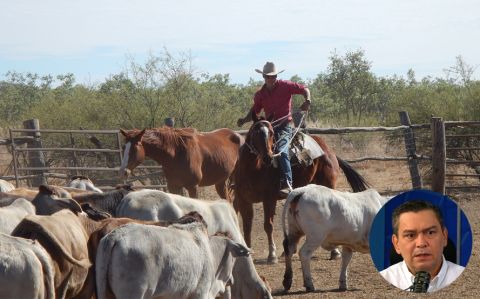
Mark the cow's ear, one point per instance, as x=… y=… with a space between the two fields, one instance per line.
x=71 y=204
x=237 y=249
x=93 y=213
x=45 y=189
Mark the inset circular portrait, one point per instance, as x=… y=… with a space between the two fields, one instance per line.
x=420 y=241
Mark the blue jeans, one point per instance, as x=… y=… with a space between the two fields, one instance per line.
x=283 y=136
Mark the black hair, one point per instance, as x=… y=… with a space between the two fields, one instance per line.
x=415 y=206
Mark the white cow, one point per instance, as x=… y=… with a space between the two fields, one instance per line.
x=327 y=218
x=6 y=186
x=11 y=215
x=220 y=217
x=83 y=183
x=26 y=269
x=179 y=261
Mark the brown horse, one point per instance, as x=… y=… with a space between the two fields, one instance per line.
x=256 y=180
x=189 y=158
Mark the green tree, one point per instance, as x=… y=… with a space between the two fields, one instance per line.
x=351 y=85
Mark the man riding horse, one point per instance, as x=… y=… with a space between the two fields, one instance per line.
x=275 y=98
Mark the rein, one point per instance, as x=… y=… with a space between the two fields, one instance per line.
x=252 y=149
x=279 y=121
x=275 y=124
x=294 y=133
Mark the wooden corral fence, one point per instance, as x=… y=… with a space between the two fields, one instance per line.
x=455 y=143
x=461 y=146
x=449 y=145
x=40 y=155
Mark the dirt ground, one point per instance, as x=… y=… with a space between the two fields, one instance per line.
x=363 y=278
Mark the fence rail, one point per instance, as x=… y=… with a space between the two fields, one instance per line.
x=364 y=129
x=39 y=171
x=438 y=158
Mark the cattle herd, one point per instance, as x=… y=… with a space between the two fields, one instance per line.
x=76 y=241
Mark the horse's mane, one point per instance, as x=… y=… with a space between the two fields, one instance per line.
x=169 y=136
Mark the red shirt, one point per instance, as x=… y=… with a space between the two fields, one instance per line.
x=277 y=102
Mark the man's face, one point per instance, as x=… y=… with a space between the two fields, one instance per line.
x=270 y=80
x=420 y=241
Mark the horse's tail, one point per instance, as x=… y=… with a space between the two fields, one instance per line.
x=355 y=179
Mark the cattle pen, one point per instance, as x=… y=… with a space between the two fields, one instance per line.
x=442 y=156
x=379 y=152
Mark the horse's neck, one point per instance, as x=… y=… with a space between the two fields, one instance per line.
x=250 y=161
x=167 y=156
x=159 y=152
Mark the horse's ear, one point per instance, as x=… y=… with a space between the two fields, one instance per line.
x=270 y=119
x=140 y=135
x=123 y=132
x=254 y=116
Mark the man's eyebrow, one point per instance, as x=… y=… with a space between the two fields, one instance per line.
x=424 y=230
x=430 y=228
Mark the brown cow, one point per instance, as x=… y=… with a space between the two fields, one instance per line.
x=63 y=236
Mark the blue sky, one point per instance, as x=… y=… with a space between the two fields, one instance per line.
x=92 y=38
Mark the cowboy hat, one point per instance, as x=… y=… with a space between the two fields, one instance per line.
x=269 y=69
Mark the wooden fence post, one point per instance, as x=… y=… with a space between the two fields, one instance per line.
x=411 y=149
x=35 y=158
x=438 y=155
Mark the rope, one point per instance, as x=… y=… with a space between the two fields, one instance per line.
x=279 y=121
x=295 y=133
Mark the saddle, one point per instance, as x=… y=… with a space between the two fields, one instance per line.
x=304 y=149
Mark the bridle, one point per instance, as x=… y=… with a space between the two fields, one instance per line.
x=276 y=123
x=250 y=146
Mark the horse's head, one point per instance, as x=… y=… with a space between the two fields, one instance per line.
x=260 y=139
x=133 y=151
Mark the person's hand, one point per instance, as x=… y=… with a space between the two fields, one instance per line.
x=305 y=106
x=240 y=122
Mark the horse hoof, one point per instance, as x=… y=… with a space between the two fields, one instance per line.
x=335 y=255
x=310 y=289
x=272 y=260
x=287 y=285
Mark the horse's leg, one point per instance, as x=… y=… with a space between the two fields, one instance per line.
x=222 y=189
x=246 y=211
x=192 y=191
x=347 y=254
x=335 y=254
x=269 y=212
x=175 y=189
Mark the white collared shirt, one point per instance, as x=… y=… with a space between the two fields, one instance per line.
x=400 y=276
